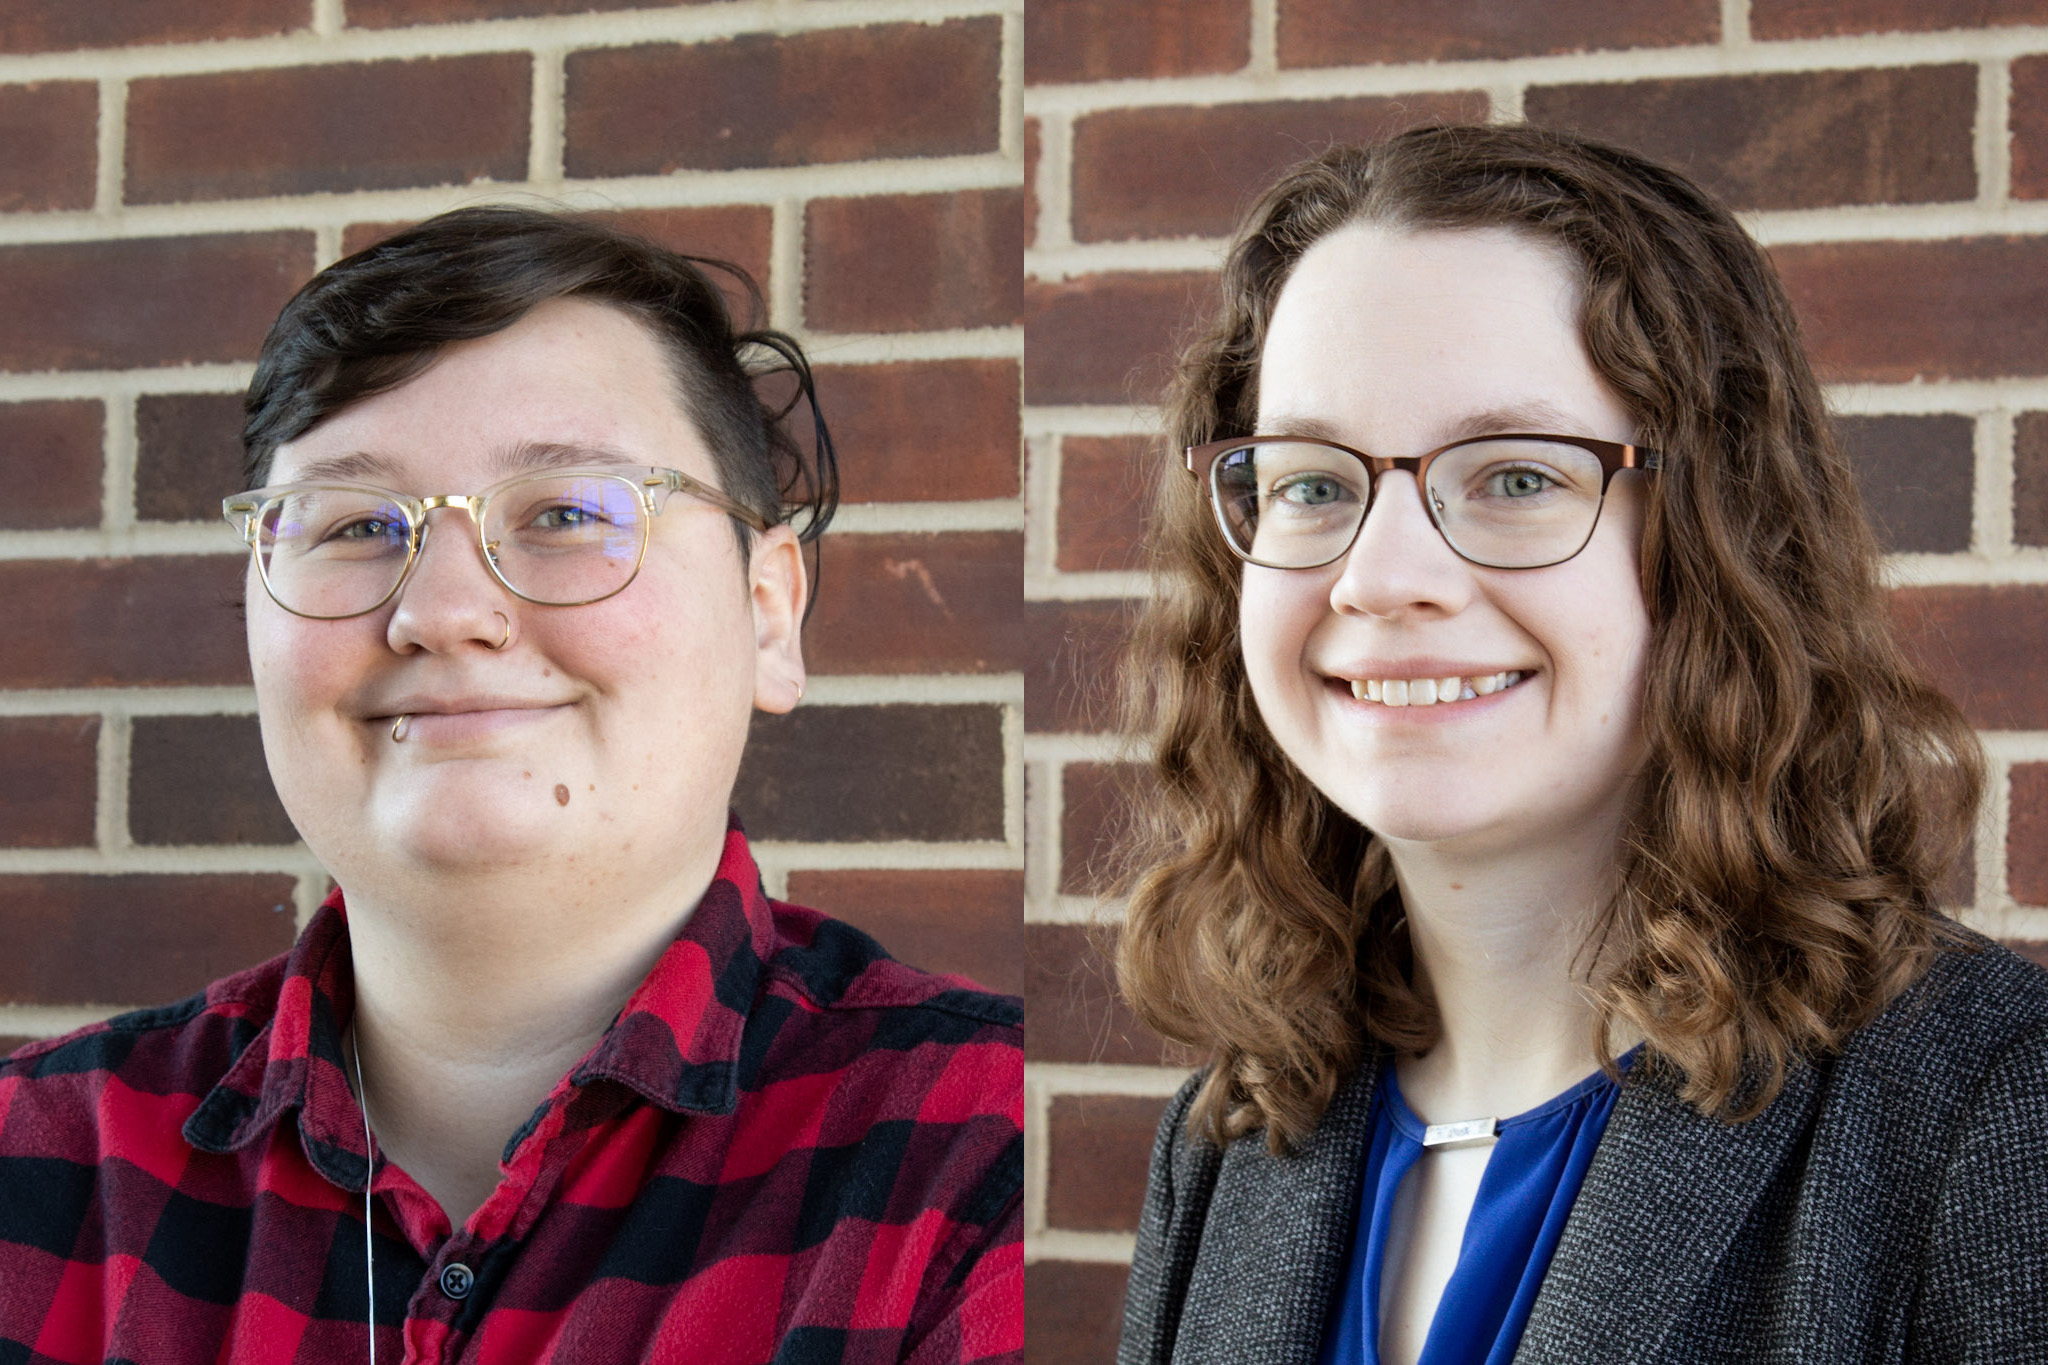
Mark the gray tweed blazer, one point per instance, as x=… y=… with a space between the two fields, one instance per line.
x=1890 y=1205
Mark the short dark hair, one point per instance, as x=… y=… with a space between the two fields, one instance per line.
x=375 y=320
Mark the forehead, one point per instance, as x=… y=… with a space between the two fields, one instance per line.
x=1414 y=335
x=571 y=382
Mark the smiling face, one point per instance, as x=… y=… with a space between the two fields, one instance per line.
x=601 y=741
x=1396 y=343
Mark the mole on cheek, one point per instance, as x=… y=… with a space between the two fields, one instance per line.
x=561 y=794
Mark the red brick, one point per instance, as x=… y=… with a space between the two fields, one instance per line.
x=134 y=940
x=1106 y=40
x=401 y=13
x=1092 y=822
x=1190 y=171
x=965 y=921
x=861 y=774
x=924 y=430
x=1985 y=646
x=188 y=454
x=51 y=132
x=1917 y=473
x=1791 y=140
x=202 y=780
x=2029 y=121
x=847 y=94
x=1070 y=684
x=1825 y=18
x=2030 y=479
x=911 y=603
x=49 y=781
x=2034 y=950
x=316 y=129
x=147 y=300
x=1075 y=1310
x=907 y=263
x=1343 y=33
x=1100 y=1148
x=50 y=463
x=1105 y=486
x=57 y=25
x=1070 y=997
x=2026 y=837
x=1892 y=312
x=123 y=622
x=1108 y=338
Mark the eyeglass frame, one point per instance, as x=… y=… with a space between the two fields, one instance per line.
x=244 y=511
x=1614 y=456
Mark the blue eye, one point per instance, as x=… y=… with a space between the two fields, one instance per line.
x=1523 y=482
x=1312 y=490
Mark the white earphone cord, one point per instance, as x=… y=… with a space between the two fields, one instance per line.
x=370 y=1160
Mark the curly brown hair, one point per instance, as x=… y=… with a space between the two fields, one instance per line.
x=1805 y=790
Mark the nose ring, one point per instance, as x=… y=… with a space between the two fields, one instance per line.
x=508 y=631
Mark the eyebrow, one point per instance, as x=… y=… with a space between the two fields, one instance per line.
x=1533 y=416
x=364 y=466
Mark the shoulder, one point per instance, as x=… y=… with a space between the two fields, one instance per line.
x=832 y=967
x=1978 y=1007
x=197 y=1038
x=112 y=1084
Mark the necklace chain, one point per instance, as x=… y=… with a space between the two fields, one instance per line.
x=369 y=1177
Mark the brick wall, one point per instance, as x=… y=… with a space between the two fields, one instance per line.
x=1893 y=156
x=170 y=170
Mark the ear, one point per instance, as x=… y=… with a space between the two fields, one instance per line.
x=775 y=574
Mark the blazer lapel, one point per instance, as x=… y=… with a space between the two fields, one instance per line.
x=1666 y=1194
x=1275 y=1241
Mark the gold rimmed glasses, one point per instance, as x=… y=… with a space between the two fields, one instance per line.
x=1513 y=501
x=560 y=538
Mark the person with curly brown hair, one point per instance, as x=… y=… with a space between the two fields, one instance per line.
x=1546 y=828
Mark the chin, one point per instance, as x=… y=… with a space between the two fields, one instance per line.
x=475 y=820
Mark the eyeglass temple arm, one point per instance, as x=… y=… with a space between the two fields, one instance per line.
x=678 y=481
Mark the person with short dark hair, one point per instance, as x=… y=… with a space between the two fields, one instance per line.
x=548 y=1077
x=1546 y=832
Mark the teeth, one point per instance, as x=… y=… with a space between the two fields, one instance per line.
x=1431 y=691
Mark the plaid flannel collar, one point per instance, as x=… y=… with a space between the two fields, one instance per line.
x=676 y=1043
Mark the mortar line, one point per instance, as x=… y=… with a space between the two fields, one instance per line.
x=117 y=456
x=547 y=119
x=1993 y=133
x=1264 y=39
x=1991 y=514
x=111 y=147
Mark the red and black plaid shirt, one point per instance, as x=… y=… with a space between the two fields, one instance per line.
x=788 y=1147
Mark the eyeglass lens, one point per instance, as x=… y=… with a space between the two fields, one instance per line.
x=1508 y=504
x=559 y=539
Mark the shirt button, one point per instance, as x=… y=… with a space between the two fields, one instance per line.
x=457 y=1281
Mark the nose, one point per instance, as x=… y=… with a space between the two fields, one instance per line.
x=450 y=597
x=1400 y=564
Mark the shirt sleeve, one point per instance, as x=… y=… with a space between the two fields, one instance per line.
x=1984 y=1291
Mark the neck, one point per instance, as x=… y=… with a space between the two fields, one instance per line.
x=1500 y=943
x=471 y=1006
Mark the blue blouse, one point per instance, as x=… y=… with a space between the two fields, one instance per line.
x=1532 y=1177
